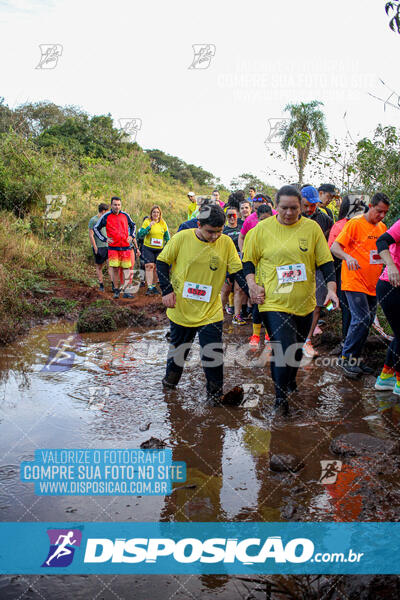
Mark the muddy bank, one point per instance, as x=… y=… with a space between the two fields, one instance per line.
x=60 y=298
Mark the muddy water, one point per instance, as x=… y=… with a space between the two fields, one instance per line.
x=227 y=451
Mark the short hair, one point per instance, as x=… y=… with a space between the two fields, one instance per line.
x=215 y=191
x=380 y=197
x=245 y=202
x=102 y=206
x=252 y=188
x=231 y=207
x=211 y=214
x=264 y=208
x=115 y=198
x=288 y=190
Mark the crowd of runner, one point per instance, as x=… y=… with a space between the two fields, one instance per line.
x=277 y=262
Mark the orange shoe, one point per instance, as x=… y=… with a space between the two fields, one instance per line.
x=309 y=351
x=254 y=341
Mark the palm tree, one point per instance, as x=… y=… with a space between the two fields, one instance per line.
x=305 y=128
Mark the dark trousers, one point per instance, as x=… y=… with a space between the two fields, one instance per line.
x=286 y=329
x=344 y=307
x=211 y=354
x=363 y=310
x=389 y=299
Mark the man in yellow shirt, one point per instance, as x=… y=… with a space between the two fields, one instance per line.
x=191 y=292
x=192 y=206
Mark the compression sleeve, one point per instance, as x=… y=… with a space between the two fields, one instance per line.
x=143 y=231
x=239 y=277
x=99 y=225
x=249 y=268
x=384 y=241
x=163 y=277
x=328 y=271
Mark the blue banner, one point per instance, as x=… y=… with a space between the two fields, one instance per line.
x=192 y=548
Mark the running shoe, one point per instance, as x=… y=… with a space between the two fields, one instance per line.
x=113 y=288
x=156 y=291
x=150 y=292
x=237 y=320
x=365 y=368
x=116 y=292
x=386 y=384
x=309 y=351
x=230 y=310
x=351 y=371
x=254 y=341
x=101 y=287
x=396 y=389
x=126 y=295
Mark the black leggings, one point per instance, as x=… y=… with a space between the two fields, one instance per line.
x=389 y=298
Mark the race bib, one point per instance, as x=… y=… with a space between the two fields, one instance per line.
x=291 y=273
x=156 y=242
x=196 y=291
x=374 y=258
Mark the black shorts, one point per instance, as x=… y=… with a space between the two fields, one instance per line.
x=101 y=256
x=149 y=255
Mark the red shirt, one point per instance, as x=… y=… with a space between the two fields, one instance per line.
x=118 y=228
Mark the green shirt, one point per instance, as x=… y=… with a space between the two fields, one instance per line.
x=99 y=243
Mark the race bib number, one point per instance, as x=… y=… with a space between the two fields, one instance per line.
x=291 y=273
x=156 y=242
x=374 y=258
x=196 y=291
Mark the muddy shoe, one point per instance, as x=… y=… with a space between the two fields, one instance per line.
x=101 y=287
x=234 y=397
x=116 y=293
x=281 y=407
x=126 y=295
x=171 y=380
x=351 y=371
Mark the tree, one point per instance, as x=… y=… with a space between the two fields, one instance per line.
x=178 y=169
x=304 y=130
x=394 y=22
x=247 y=180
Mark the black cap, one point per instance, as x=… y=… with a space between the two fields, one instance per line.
x=327 y=187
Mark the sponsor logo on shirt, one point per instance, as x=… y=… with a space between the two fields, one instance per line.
x=303 y=245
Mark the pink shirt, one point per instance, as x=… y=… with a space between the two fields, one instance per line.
x=394 y=249
x=251 y=221
x=336 y=229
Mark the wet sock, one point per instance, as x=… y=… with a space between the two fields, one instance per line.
x=257 y=329
x=387 y=372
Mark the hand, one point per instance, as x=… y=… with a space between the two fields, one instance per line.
x=352 y=263
x=257 y=293
x=95 y=249
x=331 y=296
x=130 y=238
x=110 y=241
x=137 y=252
x=393 y=275
x=169 y=300
x=152 y=223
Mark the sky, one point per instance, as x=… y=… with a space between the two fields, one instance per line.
x=133 y=60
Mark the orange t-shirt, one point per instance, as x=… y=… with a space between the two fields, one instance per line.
x=358 y=238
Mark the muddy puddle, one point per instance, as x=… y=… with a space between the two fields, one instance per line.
x=105 y=392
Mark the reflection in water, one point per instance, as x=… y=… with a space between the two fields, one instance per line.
x=113 y=387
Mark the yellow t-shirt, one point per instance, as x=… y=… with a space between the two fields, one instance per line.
x=201 y=264
x=191 y=208
x=155 y=237
x=299 y=247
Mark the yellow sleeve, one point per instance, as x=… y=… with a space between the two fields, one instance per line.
x=322 y=251
x=170 y=250
x=251 y=249
x=234 y=263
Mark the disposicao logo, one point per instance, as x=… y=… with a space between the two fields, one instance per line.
x=63 y=543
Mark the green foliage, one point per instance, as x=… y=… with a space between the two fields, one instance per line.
x=245 y=181
x=178 y=169
x=27 y=174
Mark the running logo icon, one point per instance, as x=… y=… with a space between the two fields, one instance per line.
x=203 y=53
x=50 y=55
x=276 y=129
x=63 y=543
